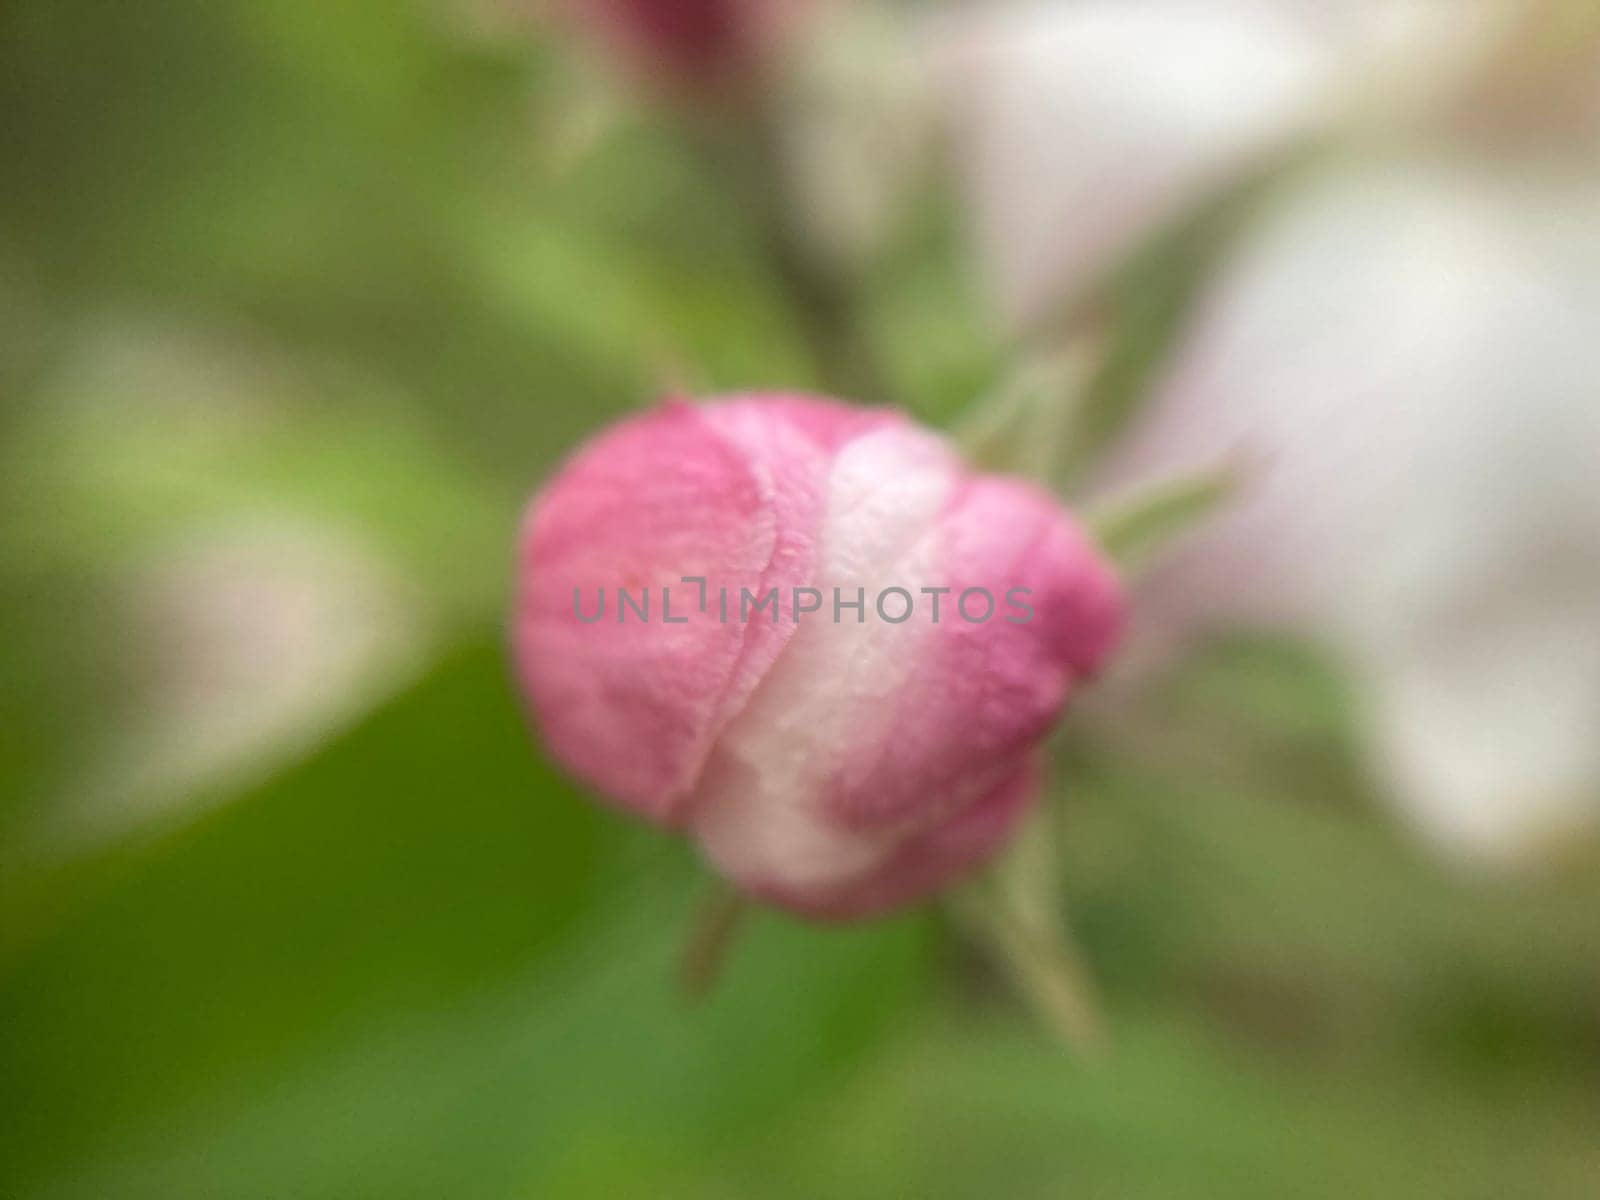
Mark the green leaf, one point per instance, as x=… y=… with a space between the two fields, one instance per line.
x=1028 y=424
x=419 y=965
x=1133 y=529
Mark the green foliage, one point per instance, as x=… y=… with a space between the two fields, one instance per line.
x=1134 y=529
x=341 y=261
x=416 y=965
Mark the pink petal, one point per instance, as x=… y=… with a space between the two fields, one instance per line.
x=630 y=707
x=834 y=764
x=867 y=738
x=928 y=860
x=980 y=694
x=729 y=492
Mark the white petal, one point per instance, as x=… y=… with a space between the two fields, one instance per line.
x=268 y=631
x=1485 y=730
x=1087 y=124
x=1407 y=358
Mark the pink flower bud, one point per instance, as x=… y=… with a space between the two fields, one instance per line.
x=694 y=45
x=810 y=637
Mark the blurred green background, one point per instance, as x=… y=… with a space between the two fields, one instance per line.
x=297 y=303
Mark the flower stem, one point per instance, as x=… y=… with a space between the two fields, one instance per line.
x=1044 y=965
x=747 y=153
x=1053 y=978
x=711 y=937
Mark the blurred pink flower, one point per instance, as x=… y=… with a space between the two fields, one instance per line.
x=834 y=761
x=698 y=46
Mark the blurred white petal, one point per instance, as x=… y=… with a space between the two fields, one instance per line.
x=265 y=558
x=1486 y=733
x=1084 y=125
x=250 y=641
x=1408 y=357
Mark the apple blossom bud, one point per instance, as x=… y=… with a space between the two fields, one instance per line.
x=695 y=46
x=808 y=636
